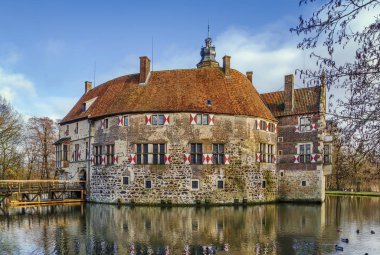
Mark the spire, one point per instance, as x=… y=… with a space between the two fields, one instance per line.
x=208 y=53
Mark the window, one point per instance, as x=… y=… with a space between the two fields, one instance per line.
x=105 y=123
x=76 y=128
x=271 y=127
x=152 y=154
x=280 y=153
x=98 y=154
x=67 y=130
x=86 y=150
x=280 y=139
x=76 y=152
x=220 y=184
x=125 y=120
x=326 y=153
x=303 y=183
x=196 y=153
x=83 y=107
x=218 y=153
x=305 y=123
x=195 y=184
x=158 y=119
x=125 y=180
x=264 y=184
x=282 y=173
x=266 y=153
x=202 y=119
x=65 y=149
x=263 y=125
x=110 y=151
x=304 y=152
x=148 y=184
x=58 y=155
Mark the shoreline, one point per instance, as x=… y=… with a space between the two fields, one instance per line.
x=352 y=193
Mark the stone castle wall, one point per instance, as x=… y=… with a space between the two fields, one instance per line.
x=243 y=177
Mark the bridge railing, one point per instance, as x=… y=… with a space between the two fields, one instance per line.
x=39 y=185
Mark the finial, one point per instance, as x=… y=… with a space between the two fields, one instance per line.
x=208 y=28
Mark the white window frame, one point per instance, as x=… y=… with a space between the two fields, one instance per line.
x=151 y=184
x=280 y=139
x=299 y=151
x=307 y=127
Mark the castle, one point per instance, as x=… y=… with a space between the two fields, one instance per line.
x=196 y=136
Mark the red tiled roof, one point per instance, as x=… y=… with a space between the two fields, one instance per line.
x=175 y=91
x=306 y=100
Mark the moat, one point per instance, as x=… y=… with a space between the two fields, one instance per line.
x=283 y=228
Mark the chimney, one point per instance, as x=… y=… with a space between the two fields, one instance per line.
x=144 y=69
x=87 y=86
x=289 y=92
x=226 y=65
x=249 y=76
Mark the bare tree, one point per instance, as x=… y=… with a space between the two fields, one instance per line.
x=40 y=152
x=10 y=136
x=333 y=26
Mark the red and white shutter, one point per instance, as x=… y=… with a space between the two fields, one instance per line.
x=296 y=158
x=103 y=159
x=275 y=128
x=296 y=129
x=211 y=119
x=186 y=159
x=258 y=122
x=226 y=159
x=166 y=119
x=258 y=157
x=148 y=120
x=92 y=160
x=120 y=120
x=193 y=118
x=313 y=158
x=207 y=159
x=267 y=126
x=167 y=159
x=132 y=159
x=115 y=159
x=313 y=126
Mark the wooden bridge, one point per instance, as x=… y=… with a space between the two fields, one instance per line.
x=37 y=192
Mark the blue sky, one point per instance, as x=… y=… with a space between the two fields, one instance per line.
x=48 y=48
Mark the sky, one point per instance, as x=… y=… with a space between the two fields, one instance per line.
x=49 y=48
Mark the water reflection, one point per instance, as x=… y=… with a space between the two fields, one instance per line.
x=263 y=229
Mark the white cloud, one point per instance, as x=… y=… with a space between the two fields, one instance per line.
x=21 y=93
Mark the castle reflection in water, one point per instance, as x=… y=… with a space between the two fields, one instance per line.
x=108 y=229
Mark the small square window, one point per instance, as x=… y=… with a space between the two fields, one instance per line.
x=280 y=152
x=264 y=184
x=125 y=180
x=148 y=184
x=303 y=183
x=220 y=184
x=126 y=120
x=280 y=139
x=195 y=184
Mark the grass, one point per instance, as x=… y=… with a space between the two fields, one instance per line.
x=352 y=193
